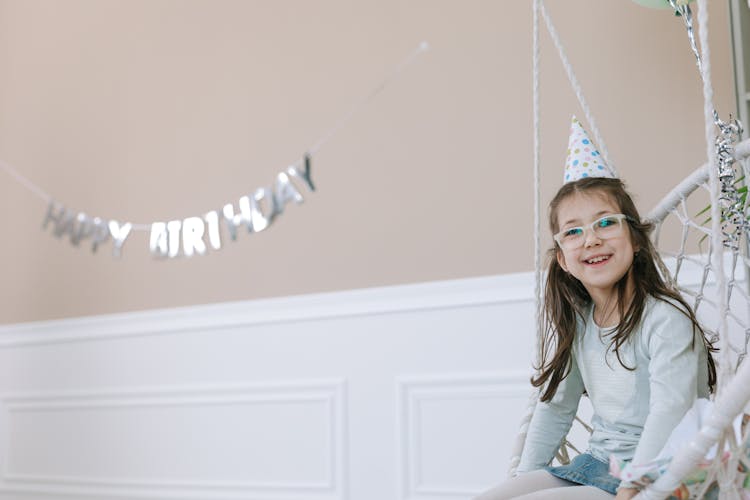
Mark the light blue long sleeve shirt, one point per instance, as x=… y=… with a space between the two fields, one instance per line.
x=634 y=411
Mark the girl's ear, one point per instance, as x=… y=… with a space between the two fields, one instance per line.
x=561 y=260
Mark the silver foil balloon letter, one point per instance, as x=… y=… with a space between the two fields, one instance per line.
x=284 y=192
x=119 y=234
x=158 y=242
x=82 y=228
x=262 y=216
x=99 y=233
x=303 y=175
x=61 y=217
x=173 y=228
x=55 y=214
x=212 y=219
x=192 y=236
x=235 y=220
x=66 y=224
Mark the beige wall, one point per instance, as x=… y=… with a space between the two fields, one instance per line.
x=149 y=110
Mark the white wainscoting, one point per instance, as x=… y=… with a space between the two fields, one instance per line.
x=406 y=392
x=446 y=421
x=411 y=392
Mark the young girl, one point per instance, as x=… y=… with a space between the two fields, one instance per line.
x=614 y=331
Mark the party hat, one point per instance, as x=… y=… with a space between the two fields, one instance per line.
x=583 y=160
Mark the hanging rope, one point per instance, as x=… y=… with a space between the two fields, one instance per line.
x=733 y=393
x=709 y=115
x=737 y=390
x=730 y=398
x=39 y=192
x=537 y=183
x=577 y=89
x=538 y=7
x=533 y=398
x=537 y=187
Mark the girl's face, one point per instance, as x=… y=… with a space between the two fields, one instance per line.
x=598 y=263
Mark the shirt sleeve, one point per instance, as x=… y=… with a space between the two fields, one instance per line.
x=676 y=355
x=551 y=422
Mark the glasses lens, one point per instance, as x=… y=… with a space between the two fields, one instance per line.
x=607 y=226
x=571 y=238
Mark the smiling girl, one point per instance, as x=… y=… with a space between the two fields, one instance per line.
x=615 y=331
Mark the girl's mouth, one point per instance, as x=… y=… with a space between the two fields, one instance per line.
x=597 y=260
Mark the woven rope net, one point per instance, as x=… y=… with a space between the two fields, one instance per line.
x=707 y=267
x=692 y=269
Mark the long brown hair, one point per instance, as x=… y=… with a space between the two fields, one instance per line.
x=566 y=299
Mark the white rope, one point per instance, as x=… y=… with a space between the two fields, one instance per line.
x=423 y=47
x=533 y=398
x=731 y=397
x=538 y=6
x=736 y=391
x=577 y=89
x=725 y=371
x=742 y=150
x=537 y=182
x=680 y=192
x=727 y=406
x=669 y=204
x=522 y=432
x=39 y=192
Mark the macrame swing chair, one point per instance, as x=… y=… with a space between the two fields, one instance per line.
x=718 y=289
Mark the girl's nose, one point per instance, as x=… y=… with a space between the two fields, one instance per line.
x=590 y=238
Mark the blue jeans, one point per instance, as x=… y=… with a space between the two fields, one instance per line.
x=587 y=470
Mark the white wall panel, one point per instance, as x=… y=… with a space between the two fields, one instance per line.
x=297 y=397
x=410 y=392
x=206 y=439
x=444 y=423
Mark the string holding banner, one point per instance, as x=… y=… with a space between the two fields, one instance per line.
x=195 y=235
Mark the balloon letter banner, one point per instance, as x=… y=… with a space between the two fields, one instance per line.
x=193 y=235
x=79 y=227
x=253 y=212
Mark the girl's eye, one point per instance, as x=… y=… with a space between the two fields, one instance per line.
x=606 y=222
x=573 y=231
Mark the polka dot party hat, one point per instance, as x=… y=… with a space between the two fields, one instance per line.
x=583 y=160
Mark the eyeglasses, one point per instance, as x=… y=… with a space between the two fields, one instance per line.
x=608 y=226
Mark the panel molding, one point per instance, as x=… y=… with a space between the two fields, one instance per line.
x=469 y=292
x=506 y=289
x=412 y=391
x=331 y=392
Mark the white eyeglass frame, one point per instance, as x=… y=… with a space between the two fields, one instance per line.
x=592 y=227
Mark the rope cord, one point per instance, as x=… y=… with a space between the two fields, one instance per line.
x=538 y=6
x=39 y=192
x=537 y=185
x=577 y=89
x=725 y=371
x=732 y=392
x=424 y=46
x=533 y=397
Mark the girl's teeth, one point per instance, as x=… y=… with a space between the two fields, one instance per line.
x=596 y=260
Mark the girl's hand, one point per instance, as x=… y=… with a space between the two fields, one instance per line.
x=625 y=493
